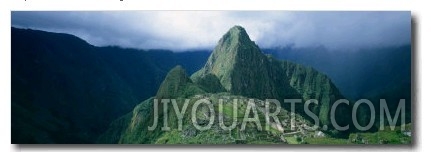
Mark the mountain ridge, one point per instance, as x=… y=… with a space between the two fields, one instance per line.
x=244 y=70
x=68 y=91
x=235 y=65
x=238 y=62
x=65 y=90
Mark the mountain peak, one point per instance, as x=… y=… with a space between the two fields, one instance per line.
x=236 y=35
x=173 y=83
x=236 y=45
x=237 y=27
x=177 y=84
x=237 y=30
x=240 y=66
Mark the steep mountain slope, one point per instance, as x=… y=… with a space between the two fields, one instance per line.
x=144 y=71
x=177 y=84
x=244 y=70
x=65 y=90
x=371 y=70
x=239 y=68
x=133 y=128
x=312 y=84
x=64 y=87
x=373 y=73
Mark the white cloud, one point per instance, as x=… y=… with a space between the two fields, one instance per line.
x=179 y=30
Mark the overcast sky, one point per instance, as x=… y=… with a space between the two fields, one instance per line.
x=179 y=30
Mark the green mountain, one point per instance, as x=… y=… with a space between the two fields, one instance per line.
x=65 y=90
x=236 y=69
x=244 y=70
x=177 y=84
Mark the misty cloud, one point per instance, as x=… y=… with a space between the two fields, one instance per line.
x=179 y=30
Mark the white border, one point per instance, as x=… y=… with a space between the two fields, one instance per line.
x=211 y=5
x=419 y=9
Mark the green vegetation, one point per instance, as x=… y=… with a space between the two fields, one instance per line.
x=210 y=83
x=236 y=69
x=67 y=91
x=385 y=136
x=326 y=140
x=177 y=84
x=142 y=117
x=244 y=70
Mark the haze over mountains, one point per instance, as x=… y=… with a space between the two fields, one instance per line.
x=65 y=90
